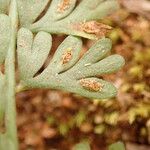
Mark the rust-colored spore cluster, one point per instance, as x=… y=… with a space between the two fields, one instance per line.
x=94 y=27
x=91 y=85
x=63 y=5
x=66 y=57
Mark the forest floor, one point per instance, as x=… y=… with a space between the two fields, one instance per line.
x=56 y=120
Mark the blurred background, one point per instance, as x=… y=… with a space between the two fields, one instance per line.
x=57 y=120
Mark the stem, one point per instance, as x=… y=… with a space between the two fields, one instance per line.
x=9 y=141
x=2 y=101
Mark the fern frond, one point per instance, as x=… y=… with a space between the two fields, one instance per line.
x=65 y=16
x=32 y=53
x=66 y=71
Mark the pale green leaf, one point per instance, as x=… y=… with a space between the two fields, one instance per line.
x=29 y=10
x=63 y=16
x=67 y=72
x=4 y=36
x=32 y=53
x=71 y=46
x=55 y=11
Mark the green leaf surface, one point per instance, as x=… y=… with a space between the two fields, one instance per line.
x=69 y=48
x=4 y=36
x=63 y=16
x=32 y=52
x=56 y=10
x=67 y=72
x=29 y=10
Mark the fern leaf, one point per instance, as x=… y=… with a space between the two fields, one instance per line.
x=67 y=72
x=32 y=53
x=66 y=16
x=29 y=10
